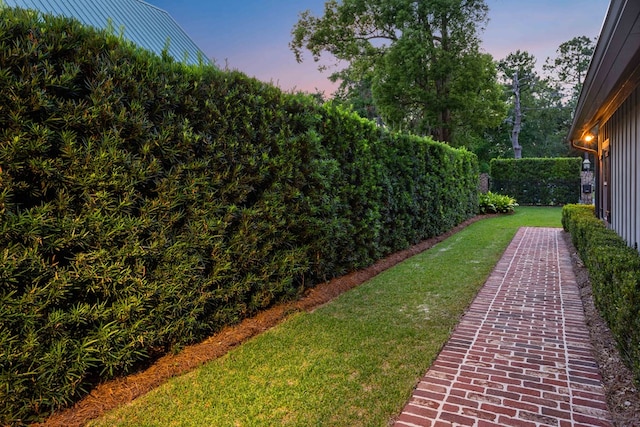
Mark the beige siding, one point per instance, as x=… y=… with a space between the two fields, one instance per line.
x=623 y=132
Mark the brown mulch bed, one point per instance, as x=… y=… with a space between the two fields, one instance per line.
x=117 y=392
x=622 y=395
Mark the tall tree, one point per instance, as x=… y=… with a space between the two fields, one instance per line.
x=569 y=68
x=539 y=117
x=413 y=51
x=517 y=117
x=479 y=99
x=519 y=76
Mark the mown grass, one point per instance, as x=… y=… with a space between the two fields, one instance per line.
x=352 y=362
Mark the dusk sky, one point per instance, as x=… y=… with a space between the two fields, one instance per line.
x=253 y=35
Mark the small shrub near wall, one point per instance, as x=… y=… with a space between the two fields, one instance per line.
x=547 y=182
x=146 y=204
x=614 y=270
x=491 y=203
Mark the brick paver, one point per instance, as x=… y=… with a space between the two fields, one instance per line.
x=521 y=355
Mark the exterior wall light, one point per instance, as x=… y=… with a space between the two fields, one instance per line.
x=586 y=164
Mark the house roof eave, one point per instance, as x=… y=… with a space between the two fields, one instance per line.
x=614 y=71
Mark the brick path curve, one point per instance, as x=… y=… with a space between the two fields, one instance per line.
x=521 y=355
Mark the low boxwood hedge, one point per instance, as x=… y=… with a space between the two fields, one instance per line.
x=614 y=270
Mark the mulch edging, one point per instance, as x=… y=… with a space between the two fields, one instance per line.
x=117 y=392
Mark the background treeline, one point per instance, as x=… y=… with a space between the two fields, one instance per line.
x=145 y=204
x=403 y=75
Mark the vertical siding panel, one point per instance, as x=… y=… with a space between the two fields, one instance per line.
x=621 y=165
x=629 y=169
x=613 y=150
x=622 y=136
x=612 y=137
x=613 y=184
x=618 y=188
x=633 y=189
x=623 y=131
x=624 y=171
x=636 y=172
x=628 y=166
x=616 y=149
x=601 y=190
x=635 y=175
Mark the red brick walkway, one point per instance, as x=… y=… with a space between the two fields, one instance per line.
x=521 y=355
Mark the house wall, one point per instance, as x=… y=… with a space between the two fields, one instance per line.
x=622 y=131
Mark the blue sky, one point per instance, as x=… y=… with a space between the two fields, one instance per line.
x=253 y=35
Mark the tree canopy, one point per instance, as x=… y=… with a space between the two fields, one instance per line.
x=420 y=60
x=569 y=68
x=417 y=66
x=546 y=101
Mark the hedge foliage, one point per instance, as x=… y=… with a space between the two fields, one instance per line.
x=614 y=270
x=145 y=204
x=547 y=182
x=491 y=203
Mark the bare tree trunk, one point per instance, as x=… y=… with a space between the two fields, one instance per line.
x=517 y=122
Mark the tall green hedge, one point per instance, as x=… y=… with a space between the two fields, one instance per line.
x=531 y=181
x=614 y=270
x=145 y=204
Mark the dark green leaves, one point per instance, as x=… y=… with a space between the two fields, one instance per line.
x=533 y=181
x=146 y=204
x=614 y=271
x=415 y=57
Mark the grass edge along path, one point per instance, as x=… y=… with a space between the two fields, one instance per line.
x=352 y=362
x=122 y=390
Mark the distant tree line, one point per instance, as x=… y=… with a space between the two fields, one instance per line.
x=417 y=66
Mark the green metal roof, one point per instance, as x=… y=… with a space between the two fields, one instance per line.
x=143 y=24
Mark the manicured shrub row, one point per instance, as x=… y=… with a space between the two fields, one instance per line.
x=545 y=182
x=614 y=270
x=145 y=204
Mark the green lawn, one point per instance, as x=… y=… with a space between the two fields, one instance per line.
x=352 y=362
